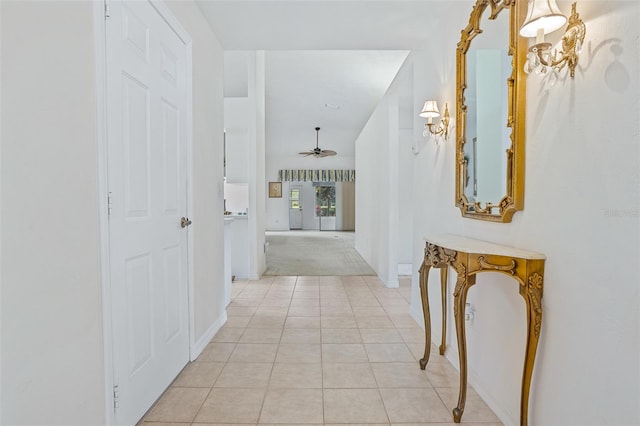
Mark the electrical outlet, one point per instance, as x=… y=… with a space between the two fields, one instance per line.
x=469 y=313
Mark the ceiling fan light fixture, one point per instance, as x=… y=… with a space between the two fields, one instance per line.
x=317 y=152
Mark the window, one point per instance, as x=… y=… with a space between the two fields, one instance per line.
x=294 y=198
x=325 y=201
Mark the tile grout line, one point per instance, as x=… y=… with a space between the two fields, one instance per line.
x=386 y=410
x=321 y=355
x=344 y=287
x=221 y=371
x=273 y=364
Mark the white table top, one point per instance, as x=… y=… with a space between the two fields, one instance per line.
x=470 y=245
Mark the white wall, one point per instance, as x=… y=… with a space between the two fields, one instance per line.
x=236 y=196
x=383 y=155
x=573 y=163
x=372 y=193
x=582 y=207
x=208 y=189
x=236 y=74
x=246 y=115
x=239 y=247
x=238 y=113
x=236 y=148
x=405 y=198
x=405 y=174
x=52 y=368
x=257 y=160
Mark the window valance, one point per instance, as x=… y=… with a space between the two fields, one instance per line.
x=303 y=175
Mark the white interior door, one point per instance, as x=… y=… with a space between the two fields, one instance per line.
x=295 y=207
x=146 y=131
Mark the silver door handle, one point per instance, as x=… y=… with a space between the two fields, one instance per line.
x=184 y=222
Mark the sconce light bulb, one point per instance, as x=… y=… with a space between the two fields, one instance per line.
x=540 y=36
x=540 y=57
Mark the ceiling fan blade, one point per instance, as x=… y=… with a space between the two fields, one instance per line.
x=317 y=152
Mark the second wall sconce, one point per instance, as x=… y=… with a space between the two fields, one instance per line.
x=430 y=111
x=544 y=17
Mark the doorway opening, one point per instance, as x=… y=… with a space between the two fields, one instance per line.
x=325 y=205
x=295 y=207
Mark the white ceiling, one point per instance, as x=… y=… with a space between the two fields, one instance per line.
x=328 y=63
x=334 y=90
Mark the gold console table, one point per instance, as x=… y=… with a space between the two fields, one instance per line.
x=470 y=257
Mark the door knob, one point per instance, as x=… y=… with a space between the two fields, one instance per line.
x=184 y=222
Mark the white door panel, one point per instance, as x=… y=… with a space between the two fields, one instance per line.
x=139 y=316
x=136 y=116
x=146 y=130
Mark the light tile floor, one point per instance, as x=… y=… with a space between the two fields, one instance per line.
x=317 y=350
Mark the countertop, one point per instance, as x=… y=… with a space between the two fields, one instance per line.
x=236 y=216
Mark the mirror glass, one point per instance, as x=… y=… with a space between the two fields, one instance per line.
x=487 y=136
x=487 y=133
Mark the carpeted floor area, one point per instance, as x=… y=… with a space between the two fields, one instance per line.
x=314 y=253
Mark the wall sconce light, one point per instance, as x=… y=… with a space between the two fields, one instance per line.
x=430 y=111
x=544 y=17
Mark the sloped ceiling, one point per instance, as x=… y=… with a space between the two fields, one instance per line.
x=328 y=63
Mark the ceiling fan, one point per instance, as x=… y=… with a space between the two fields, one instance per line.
x=317 y=152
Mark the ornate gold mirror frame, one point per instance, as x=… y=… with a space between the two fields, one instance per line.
x=513 y=199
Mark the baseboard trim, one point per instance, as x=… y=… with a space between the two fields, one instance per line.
x=497 y=409
x=393 y=283
x=451 y=356
x=203 y=341
x=405 y=268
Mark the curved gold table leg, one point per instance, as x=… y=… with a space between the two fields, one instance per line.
x=532 y=294
x=528 y=271
x=424 y=279
x=443 y=293
x=459 y=300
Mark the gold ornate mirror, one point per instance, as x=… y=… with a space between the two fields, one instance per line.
x=490 y=113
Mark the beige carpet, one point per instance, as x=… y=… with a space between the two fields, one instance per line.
x=314 y=253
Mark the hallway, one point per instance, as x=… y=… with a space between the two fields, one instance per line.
x=317 y=350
